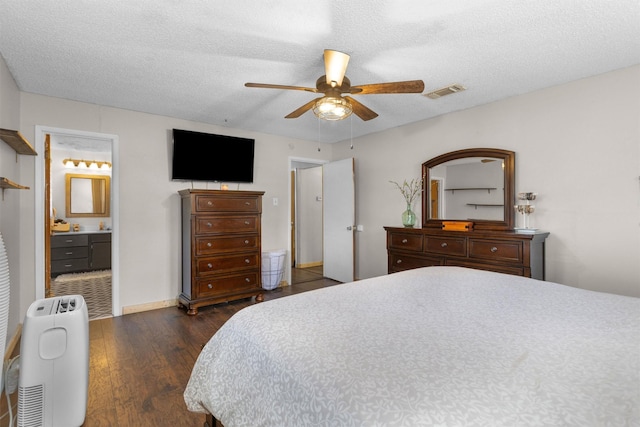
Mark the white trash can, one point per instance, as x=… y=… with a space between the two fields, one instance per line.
x=272 y=268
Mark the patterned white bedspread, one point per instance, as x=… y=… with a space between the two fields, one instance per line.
x=439 y=346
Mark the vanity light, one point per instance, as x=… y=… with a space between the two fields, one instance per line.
x=90 y=164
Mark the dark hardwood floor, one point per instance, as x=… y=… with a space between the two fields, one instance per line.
x=140 y=363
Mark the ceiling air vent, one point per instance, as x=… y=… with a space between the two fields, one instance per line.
x=445 y=91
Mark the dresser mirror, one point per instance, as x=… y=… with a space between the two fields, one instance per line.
x=476 y=184
x=87 y=195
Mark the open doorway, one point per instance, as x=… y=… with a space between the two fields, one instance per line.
x=81 y=252
x=306 y=221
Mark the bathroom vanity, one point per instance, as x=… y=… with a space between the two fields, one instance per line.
x=75 y=252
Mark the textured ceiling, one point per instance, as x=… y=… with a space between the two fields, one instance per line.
x=190 y=59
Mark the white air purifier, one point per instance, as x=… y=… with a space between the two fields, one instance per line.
x=54 y=363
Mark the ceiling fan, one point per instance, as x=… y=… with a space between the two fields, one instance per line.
x=334 y=106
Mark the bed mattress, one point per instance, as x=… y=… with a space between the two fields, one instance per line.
x=437 y=346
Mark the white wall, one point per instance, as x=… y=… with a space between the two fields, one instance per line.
x=577 y=146
x=15 y=224
x=149 y=249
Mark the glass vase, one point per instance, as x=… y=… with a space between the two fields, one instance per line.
x=408 y=217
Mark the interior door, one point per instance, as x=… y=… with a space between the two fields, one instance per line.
x=339 y=213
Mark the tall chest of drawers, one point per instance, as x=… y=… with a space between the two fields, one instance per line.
x=221 y=247
x=521 y=254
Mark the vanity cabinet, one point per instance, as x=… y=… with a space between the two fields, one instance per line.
x=78 y=252
x=510 y=252
x=221 y=247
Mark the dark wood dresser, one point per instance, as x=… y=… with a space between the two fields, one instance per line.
x=221 y=247
x=521 y=254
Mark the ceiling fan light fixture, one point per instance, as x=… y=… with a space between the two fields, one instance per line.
x=332 y=108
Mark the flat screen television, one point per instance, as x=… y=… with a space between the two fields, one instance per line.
x=201 y=156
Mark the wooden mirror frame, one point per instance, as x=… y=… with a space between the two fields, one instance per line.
x=68 y=189
x=509 y=159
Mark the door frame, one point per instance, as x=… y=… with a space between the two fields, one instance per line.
x=39 y=189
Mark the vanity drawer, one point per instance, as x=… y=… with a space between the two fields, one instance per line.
x=213 y=245
x=69 y=265
x=205 y=203
x=400 y=262
x=499 y=250
x=228 y=284
x=69 y=240
x=226 y=224
x=446 y=245
x=69 y=253
x=409 y=242
x=226 y=263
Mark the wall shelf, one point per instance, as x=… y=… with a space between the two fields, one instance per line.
x=453 y=190
x=8 y=184
x=18 y=142
x=484 y=205
x=20 y=145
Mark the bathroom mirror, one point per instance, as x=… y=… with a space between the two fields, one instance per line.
x=87 y=195
x=476 y=184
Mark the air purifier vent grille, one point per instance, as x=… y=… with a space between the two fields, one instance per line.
x=31 y=406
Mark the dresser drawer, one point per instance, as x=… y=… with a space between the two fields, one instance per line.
x=400 y=262
x=409 y=242
x=516 y=271
x=69 y=240
x=499 y=250
x=226 y=224
x=214 y=245
x=228 y=284
x=69 y=253
x=222 y=264
x=446 y=245
x=205 y=203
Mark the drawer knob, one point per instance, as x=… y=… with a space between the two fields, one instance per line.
x=443 y=244
x=247 y=203
x=69 y=240
x=210 y=265
x=208 y=244
x=247 y=223
x=494 y=249
x=246 y=242
x=210 y=286
x=404 y=240
x=209 y=203
x=248 y=261
x=68 y=253
x=399 y=261
x=247 y=280
x=209 y=225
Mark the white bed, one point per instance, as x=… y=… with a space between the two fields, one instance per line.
x=437 y=346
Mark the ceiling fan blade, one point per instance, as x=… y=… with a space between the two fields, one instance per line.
x=410 y=86
x=335 y=66
x=365 y=113
x=300 y=111
x=270 y=86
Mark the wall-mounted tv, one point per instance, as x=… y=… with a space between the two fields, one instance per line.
x=208 y=157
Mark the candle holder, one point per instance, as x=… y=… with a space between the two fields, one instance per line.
x=525 y=209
